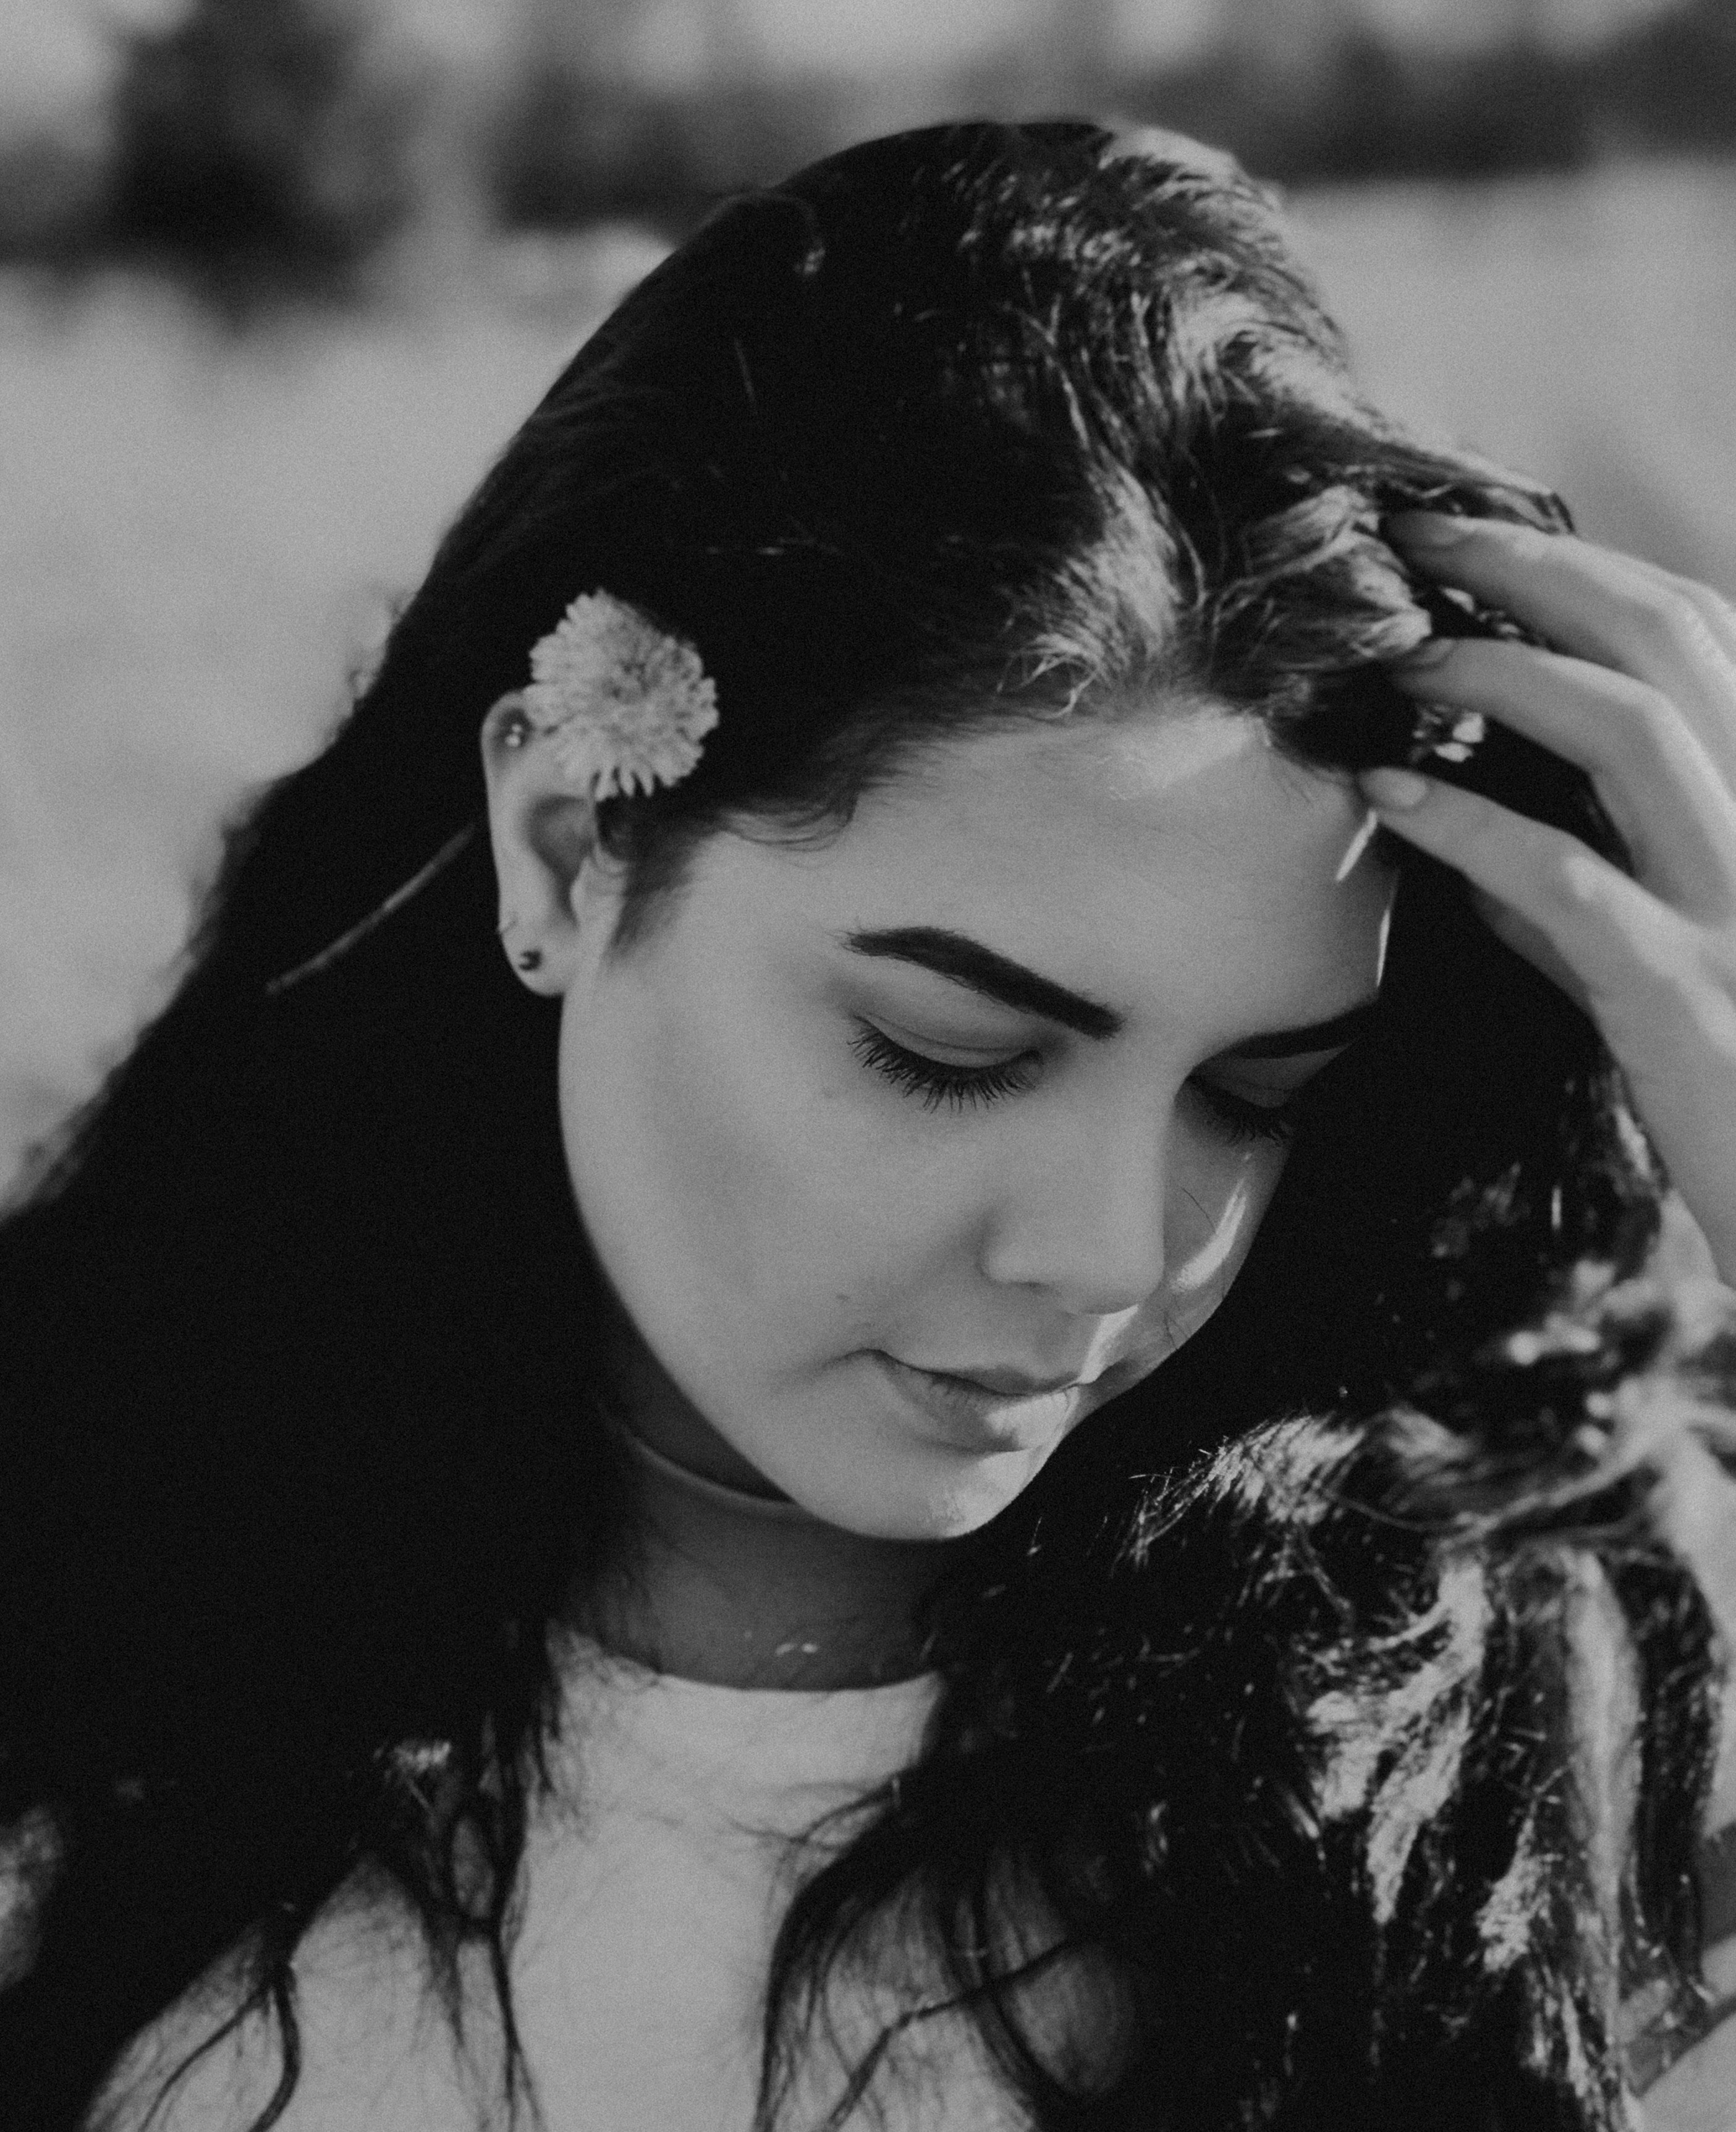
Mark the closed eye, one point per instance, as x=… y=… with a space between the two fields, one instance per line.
x=1237 y=1119
x=937 y=1081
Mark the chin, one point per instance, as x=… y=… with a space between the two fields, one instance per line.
x=943 y=1498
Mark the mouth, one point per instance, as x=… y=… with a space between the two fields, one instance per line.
x=988 y=1411
x=1007 y=1384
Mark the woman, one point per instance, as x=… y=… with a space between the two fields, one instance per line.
x=551 y=1390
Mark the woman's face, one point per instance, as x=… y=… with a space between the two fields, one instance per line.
x=986 y=1094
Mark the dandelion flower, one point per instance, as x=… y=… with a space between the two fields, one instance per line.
x=623 y=704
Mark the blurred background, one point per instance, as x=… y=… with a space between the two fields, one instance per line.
x=278 y=277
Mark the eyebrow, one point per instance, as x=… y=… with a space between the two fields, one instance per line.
x=968 y=963
x=1329 y=1035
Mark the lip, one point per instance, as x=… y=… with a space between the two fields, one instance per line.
x=996 y=1411
x=1006 y=1384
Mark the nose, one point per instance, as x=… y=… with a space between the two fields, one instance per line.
x=1088 y=1228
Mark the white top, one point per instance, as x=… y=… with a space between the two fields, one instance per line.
x=657 y=1874
x=656 y=1895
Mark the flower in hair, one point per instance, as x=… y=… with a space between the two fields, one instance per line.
x=623 y=704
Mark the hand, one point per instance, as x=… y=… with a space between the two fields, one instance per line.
x=1640 y=692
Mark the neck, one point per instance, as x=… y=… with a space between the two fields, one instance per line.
x=749 y=1590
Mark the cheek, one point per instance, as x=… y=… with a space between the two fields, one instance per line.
x=1218 y=1196
x=676 y=1158
x=729 y=1185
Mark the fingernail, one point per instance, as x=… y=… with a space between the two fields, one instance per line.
x=1429 y=652
x=1395 y=789
x=1428 y=528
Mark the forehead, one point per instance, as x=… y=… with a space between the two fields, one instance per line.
x=1171 y=853
x=1163 y=799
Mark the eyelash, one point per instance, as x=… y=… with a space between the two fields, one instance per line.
x=1237 y=1121
x=934 y=1079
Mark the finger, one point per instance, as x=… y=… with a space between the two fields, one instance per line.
x=1717 y=610
x=1616 y=938
x=1661 y=788
x=1532 y=946
x=1660 y=987
x=1593 y=603
x=1561 y=585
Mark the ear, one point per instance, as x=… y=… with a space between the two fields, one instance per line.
x=543 y=838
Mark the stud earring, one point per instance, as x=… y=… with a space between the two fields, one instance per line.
x=516 y=731
x=528 y=958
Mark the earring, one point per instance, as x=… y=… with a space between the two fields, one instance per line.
x=516 y=731
x=529 y=958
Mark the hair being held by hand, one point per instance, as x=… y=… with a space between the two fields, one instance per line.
x=302 y=1334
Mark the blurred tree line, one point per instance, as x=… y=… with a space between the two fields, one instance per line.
x=253 y=136
x=1367 y=108
x=277 y=145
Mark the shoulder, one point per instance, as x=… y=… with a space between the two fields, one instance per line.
x=374 y=2050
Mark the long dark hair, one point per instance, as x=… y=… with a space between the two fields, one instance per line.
x=300 y=1328
x=1291 y=1790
